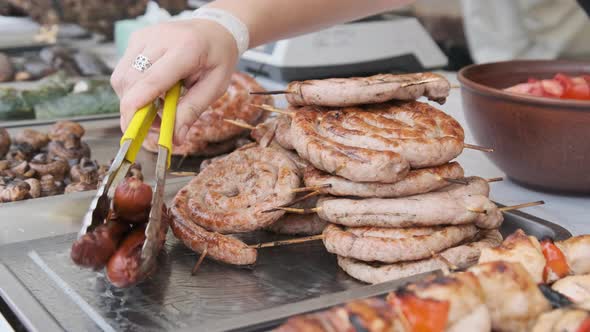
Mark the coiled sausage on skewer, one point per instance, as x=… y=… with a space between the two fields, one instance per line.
x=230 y=196
x=376 y=143
x=380 y=88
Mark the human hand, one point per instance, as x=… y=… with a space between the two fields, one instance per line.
x=202 y=53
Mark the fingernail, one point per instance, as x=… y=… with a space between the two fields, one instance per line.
x=182 y=134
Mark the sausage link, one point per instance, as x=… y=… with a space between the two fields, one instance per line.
x=94 y=249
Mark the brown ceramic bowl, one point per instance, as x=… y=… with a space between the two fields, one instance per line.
x=539 y=142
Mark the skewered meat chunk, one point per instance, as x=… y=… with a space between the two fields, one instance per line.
x=467 y=309
x=519 y=248
x=562 y=320
x=576 y=288
x=338 y=92
x=391 y=245
x=416 y=182
x=462 y=256
x=376 y=143
x=34 y=138
x=210 y=133
x=577 y=252
x=511 y=294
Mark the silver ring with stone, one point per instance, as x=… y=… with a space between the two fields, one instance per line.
x=142 y=63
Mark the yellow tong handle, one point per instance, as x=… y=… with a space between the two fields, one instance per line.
x=142 y=121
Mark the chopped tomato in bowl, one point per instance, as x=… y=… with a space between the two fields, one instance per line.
x=560 y=86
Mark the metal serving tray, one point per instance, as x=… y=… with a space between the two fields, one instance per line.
x=45 y=291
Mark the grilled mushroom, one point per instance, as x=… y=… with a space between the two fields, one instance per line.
x=20 y=152
x=55 y=166
x=35 y=190
x=71 y=149
x=15 y=191
x=88 y=181
x=84 y=164
x=61 y=130
x=35 y=139
x=4 y=142
x=50 y=187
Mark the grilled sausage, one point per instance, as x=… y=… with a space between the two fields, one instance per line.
x=210 y=134
x=430 y=209
x=462 y=256
x=391 y=245
x=231 y=194
x=376 y=143
x=368 y=90
x=94 y=249
x=294 y=224
x=224 y=248
x=416 y=182
x=275 y=128
x=123 y=266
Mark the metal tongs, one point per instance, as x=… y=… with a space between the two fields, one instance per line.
x=130 y=145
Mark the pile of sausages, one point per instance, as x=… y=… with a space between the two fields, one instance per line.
x=210 y=135
x=503 y=292
x=385 y=172
x=117 y=243
x=380 y=171
x=35 y=164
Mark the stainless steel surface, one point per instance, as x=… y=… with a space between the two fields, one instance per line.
x=35 y=318
x=218 y=297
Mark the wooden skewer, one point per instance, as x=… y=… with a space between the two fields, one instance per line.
x=240 y=124
x=311 y=194
x=428 y=80
x=476 y=147
x=201 y=258
x=311 y=188
x=285 y=242
x=272 y=92
x=450 y=180
x=181 y=161
x=183 y=173
x=454 y=86
x=513 y=207
x=269 y=108
x=299 y=211
x=495 y=179
x=521 y=206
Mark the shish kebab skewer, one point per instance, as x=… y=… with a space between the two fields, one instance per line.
x=321 y=236
x=337 y=92
x=269 y=108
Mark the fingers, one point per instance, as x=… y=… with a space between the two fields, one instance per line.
x=206 y=90
x=155 y=81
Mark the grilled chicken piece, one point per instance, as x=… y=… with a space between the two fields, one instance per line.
x=563 y=320
x=512 y=295
x=576 y=288
x=519 y=248
x=467 y=311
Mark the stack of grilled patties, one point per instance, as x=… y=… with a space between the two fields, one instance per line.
x=210 y=135
x=396 y=203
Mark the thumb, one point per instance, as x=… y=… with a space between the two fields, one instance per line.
x=205 y=92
